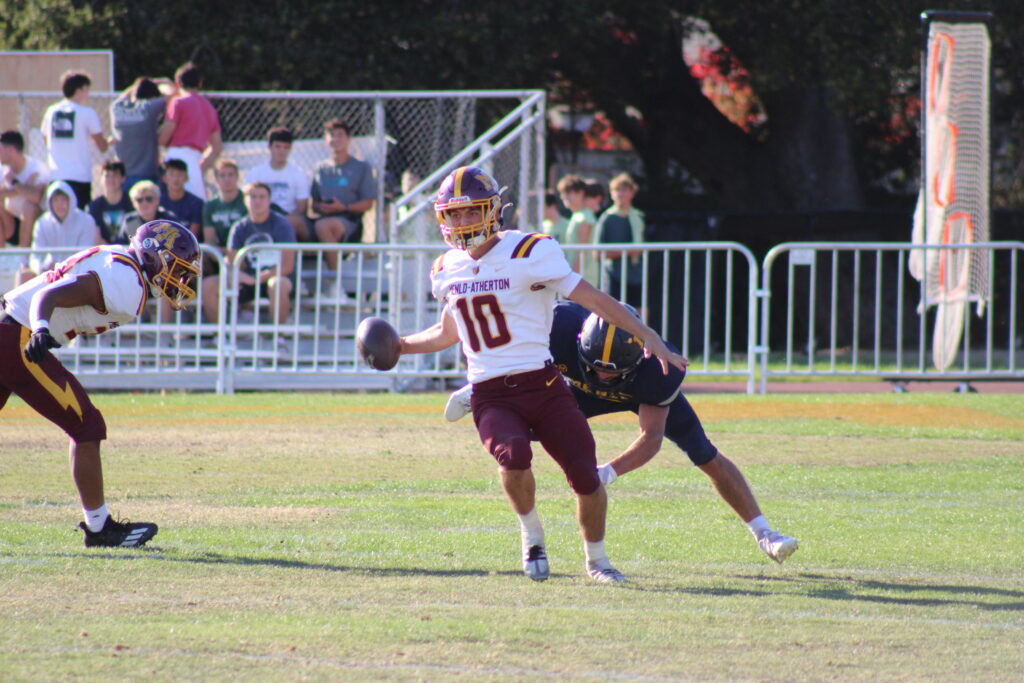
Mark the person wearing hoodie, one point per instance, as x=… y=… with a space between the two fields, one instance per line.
x=63 y=225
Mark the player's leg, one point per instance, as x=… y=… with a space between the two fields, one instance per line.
x=506 y=435
x=683 y=427
x=52 y=391
x=87 y=471
x=563 y=431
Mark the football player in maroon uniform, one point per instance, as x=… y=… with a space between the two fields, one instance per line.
x=91 y=292
x=498 y=288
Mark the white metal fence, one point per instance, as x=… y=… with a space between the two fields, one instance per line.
x=700 y=295
x=836 y=310
x=852 y=310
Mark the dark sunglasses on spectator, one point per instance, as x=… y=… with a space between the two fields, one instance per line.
x=146 y=198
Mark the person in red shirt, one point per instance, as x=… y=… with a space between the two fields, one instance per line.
x=191 y=129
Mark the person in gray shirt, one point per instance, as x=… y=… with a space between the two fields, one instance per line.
x=136 y=115
x=343 y=189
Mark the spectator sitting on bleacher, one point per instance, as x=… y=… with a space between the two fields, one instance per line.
x=178 y=200
x=23 y=180
x=110 y=207
x=343 y=189
x=191 y=129
x=228 y=207
x=273 y=269
x=67 y=127
x=135 y=117
x=63 y=225
x=145 y=196
x=289 y=184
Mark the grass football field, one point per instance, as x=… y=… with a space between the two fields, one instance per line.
x=361 y=537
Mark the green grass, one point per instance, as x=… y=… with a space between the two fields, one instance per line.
x=361 y=537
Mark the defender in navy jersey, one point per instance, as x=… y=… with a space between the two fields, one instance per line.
x=607 y=373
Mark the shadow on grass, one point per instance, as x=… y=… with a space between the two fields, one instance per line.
x=847 y=588
x=156 y=553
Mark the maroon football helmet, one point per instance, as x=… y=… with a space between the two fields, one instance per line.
x=469 y=186
x=169 y=255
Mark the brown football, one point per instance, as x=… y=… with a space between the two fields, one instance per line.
x=378 y=343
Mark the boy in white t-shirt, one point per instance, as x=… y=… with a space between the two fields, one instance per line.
x=289 y=184
x=67 y=127
x=23 y=179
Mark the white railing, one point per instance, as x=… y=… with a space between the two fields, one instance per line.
x=852 y=309
x=162 y=349
x=827 y=310
x=698 y=294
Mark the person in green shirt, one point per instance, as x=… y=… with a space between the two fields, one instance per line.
x=220 y=214
x=620 y=223
x=581 y=227
x=554 y=224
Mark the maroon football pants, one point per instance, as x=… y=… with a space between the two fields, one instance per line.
x=48 y=387
x=506 y=409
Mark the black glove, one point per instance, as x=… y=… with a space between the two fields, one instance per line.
x=39 y=345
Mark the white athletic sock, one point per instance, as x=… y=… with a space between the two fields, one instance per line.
x=759 y=526
x=531 y=528
x=595 y=552
x=95 y=519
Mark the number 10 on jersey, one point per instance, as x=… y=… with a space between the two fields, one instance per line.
x=484 y=321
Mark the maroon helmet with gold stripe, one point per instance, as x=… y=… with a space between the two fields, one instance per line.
x=469 y=186
x=169 y=255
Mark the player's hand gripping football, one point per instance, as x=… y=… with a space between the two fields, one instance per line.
x=39 y=345
x=654 y=346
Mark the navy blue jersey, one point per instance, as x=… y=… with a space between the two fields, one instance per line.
x=649 y=386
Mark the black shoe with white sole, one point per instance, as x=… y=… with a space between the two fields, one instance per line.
x=116 y=534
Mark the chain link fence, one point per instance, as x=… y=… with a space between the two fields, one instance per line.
x=421 y=134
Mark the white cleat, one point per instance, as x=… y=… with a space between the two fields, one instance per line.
x=535 y=563
x=459 y=404
x=604 y=572
x=777 y=546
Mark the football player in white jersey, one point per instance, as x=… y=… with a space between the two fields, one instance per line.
x=91 y=292
x=499 y=288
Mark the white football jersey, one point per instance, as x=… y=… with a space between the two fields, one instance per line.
x=121 y=279
x=503 y=303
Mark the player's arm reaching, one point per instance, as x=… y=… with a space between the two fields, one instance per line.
x=644 y=447
x=437 y=337
x=615 y=313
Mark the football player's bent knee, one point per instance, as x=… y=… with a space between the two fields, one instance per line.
x=583 y=478
x=91 y=428
x=514 y=454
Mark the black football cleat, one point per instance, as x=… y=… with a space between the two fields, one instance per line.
x=119 y=534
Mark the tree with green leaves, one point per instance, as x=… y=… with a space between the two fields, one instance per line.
x=834 y=78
